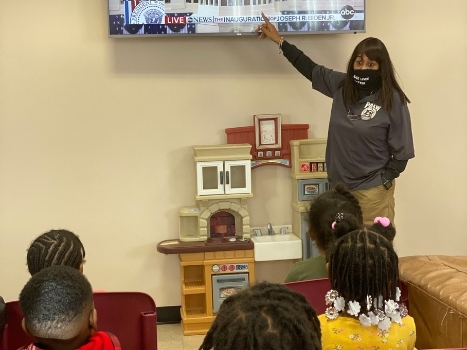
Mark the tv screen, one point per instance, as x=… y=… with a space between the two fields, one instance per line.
x=138 y=18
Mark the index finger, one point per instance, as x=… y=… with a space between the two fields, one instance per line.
x=265 y=18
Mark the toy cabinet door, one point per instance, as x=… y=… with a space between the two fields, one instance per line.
x=237 y=176
x=210 y=178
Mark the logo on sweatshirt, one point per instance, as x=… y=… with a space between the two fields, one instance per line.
x=369 y=111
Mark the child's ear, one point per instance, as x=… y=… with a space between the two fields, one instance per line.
x=93 y=319
x=25 y=329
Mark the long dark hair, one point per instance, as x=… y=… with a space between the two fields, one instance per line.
x=375 y=50
x=323 y=212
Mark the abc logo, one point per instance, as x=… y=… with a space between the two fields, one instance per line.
x=347 y=12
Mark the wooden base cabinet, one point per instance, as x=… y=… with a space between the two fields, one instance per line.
x=196 y=271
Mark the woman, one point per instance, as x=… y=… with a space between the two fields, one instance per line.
x=370 y=135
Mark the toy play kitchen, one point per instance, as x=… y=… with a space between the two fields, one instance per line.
x=217 y=254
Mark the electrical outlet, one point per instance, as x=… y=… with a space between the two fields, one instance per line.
x=276 y=229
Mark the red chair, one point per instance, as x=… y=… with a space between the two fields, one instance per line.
x=315 y=291
x=131 y=316
x=13 y=334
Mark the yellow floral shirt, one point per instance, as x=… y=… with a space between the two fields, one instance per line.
x=348 y=333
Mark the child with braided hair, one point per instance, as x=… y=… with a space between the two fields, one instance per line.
x=320 y=216
x=364 y=310
x=55 y=247
x=266 y=316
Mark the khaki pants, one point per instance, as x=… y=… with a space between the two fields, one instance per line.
x=377 y=201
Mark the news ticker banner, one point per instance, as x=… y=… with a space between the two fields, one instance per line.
x=278 y=18
x=153 y=12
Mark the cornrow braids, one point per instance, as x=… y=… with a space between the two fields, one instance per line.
x=265 y=316
x=364 y=263
x=323 y=212
x=343 y=225
x=56 y=247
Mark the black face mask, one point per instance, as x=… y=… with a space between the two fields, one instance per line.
x=367 y=79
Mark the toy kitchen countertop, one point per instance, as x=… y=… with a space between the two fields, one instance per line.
x=175 y=246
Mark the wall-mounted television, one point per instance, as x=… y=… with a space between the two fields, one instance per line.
x=145 y=18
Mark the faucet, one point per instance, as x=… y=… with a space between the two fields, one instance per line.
x=270 y=229
x=257 y=232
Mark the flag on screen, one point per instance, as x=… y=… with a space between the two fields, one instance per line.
x=116 y=24
x=129 y=8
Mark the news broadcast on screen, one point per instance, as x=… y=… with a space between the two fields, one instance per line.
x=233 y=17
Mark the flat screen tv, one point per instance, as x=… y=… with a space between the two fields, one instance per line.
x=145 y=18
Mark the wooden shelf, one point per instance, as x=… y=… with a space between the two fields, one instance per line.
x=312 y=160
x=310 y=175
x=196 y=271
x=191 y=263
x=197 y=287
x=210 y=197
x=307 y=151
x=195 y=313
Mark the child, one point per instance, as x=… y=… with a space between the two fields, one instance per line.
x=263 y=317
x=363 y=301
x=59 y=312
x=56 y=247
x=320 y=216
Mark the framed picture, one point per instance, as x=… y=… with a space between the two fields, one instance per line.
x=267 y=131
x=309 y=189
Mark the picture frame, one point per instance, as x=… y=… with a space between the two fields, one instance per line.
x=309 y=189
x=268 y=131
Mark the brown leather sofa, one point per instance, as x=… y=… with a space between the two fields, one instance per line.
x=437 y=287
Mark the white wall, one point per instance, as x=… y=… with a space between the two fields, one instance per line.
x=96 y=133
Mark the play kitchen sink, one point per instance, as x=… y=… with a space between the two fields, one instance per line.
x=270 y=247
